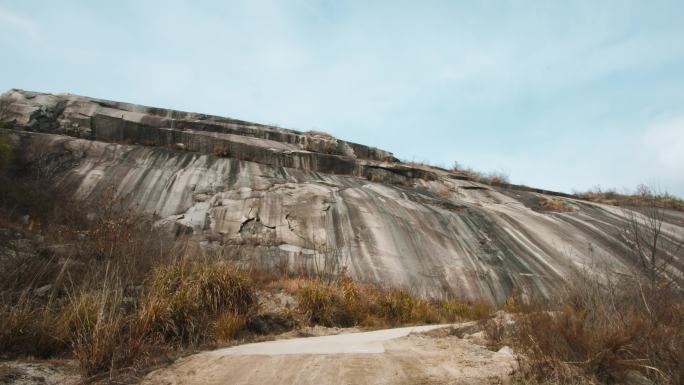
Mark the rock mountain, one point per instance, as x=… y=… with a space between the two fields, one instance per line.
x=273 y=197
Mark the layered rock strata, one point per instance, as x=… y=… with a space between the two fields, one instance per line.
x=275 y=197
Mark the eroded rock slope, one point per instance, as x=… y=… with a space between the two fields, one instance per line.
x=276 y=197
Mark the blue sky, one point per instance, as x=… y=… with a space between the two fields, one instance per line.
x=561 y=95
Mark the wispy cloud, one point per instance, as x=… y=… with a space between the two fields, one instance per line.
x=21 y=24
x=665 y=140
x=559 y=93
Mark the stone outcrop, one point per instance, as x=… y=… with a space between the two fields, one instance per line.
x=270 y=196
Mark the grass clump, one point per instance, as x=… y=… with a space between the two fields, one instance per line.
x=324 y=305
x=319 y=134
x=184 y=299
x=101 y=331
x=33 y=330
x=228 y=325
x=345 y=303
x=643 y=196
x=107 y=325
x=555 y=205
x=600 y=332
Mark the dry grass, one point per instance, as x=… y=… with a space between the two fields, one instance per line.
x=493 y=177
x=320 y=134
x=106 y=326
x=103 y=288
x=185 y=298
x=555 y=205
x=34 y=330
x=348 y=303
x=100 y=331
x=228 y=325
x=601 y=332
x=643 y=196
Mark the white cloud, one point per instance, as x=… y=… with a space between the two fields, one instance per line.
x=665 y=140
x=663 y=153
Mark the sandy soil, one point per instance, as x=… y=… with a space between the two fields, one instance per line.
x=392 y=356
x=44 y=372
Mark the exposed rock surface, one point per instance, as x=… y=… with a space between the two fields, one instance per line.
x=273 y=196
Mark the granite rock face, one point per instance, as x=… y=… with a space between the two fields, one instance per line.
x=274 y=197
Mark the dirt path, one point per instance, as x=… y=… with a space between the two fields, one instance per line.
x=392 y=356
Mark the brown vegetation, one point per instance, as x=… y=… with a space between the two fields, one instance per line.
x=493 y=177
x=600 y=332
x=348 y=303
x=608 y=327
x=643 y=196
x=320 y=134
x=102 y=286
x=556 y=205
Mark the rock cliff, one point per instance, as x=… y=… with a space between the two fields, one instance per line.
x=274 y=197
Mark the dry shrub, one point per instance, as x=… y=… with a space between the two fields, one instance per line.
x=101 y=336
x=603 y=332
x=497 y=177
x=347 y=303
x=320 y=134
x=493 y=177
x=556 y=205
x=185 y=297
x=399 y=307
x=327 y=304
x=496 y=332
x=642 y=196
x=102 y=285
x=106 y=325
x=228 y=325
x=33 y=330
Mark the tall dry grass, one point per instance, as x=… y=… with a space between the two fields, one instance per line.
x=602 y=331
x=344 y=302
x=185 y=299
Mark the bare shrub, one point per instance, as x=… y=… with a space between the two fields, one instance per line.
x=652 y=246
x=602 y=331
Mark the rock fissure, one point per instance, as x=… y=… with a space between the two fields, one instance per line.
x=398 y=223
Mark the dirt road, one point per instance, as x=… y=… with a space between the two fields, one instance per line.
x=391 y=356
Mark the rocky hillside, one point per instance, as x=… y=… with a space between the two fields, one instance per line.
x=275 y=197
